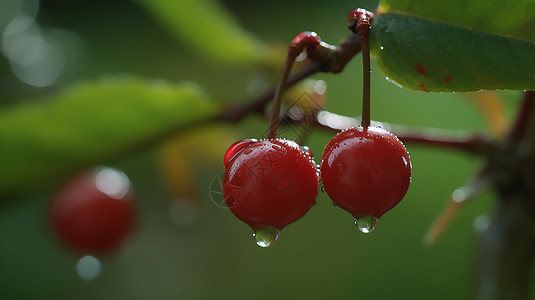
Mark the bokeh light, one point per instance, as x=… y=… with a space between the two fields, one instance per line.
x=88 y=267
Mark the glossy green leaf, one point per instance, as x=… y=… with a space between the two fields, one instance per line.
x=456 y=45
x=89 y=123
x=208 y=27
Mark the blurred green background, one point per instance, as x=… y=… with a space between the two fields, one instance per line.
x=199 y=250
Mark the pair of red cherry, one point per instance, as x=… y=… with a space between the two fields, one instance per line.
x=271 y=183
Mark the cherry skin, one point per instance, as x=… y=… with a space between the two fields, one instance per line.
x=269 y=184
x=366 y=171
x=93 y=213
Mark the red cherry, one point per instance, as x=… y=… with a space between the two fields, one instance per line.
x=270 y=184
x=93 y=213
x=366 y=171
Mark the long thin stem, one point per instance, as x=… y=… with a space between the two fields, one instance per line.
x=306 y=39
x=236 y=113
x=364 y=40
x=361 y=24
x=324 y=58
x=281 y=85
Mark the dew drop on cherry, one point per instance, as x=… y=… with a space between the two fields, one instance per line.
x=307 y=150
x=366 y=224
x=235 y=148
x=266 y=236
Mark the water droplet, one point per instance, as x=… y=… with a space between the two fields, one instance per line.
x=322 y=188
x=307 y=151
x=266 y=236
x=235 y=149
x=302 y=56
x=334 y=204
x=88 y=267
x=247 y=151
x=320 y=87
x=366 y=224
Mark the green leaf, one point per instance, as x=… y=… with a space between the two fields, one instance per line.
x=89 y=123
x=208 y=27
x=456 y=45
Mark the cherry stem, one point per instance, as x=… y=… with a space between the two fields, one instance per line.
x=361 y=24
x=308 y=40
x=281 y=85
x=364 y=34
x=236 y=113
x=519 y=128
x=324 y=58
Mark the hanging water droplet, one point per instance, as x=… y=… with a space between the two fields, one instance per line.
x=322 y=188
x=266 y=236
x=366 y=224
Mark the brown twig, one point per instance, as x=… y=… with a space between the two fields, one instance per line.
x=524 y=115
x=327 y=59
x=473 y=143
x=236 y=113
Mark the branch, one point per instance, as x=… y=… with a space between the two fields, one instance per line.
x=237 y=113
x=473 y=143
x=326 y=58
